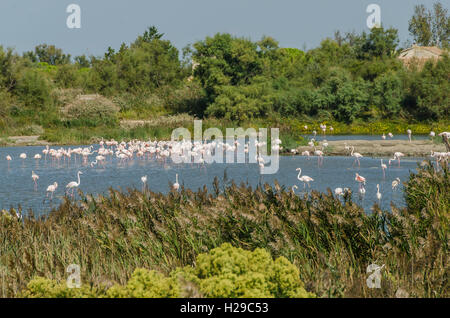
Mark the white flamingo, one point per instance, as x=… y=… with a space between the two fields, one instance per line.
x=176 y=185
x=357 y=156
x=144 y=182
x=395 y=183
x=378 y=193
x=72 y=185
x=397 y=156
x=304 y=179
x=383 y=167
x=51 y=189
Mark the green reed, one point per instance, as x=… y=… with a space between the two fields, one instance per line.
x=331 y=240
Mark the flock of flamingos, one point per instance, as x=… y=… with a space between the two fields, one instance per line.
x=198 y=151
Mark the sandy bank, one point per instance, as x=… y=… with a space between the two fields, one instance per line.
x=380 y=148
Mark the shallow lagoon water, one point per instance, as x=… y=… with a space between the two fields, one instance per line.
x=17 y=187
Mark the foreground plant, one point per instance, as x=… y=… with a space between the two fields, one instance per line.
x=224 y=272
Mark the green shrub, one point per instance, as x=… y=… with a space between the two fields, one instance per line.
x=224 y=272
x=232 y=272
x=91 y=110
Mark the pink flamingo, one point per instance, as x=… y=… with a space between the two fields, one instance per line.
x=319 y=154
x=397 y=156
x=361 y=181
x=35 y=178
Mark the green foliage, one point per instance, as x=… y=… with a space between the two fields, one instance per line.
x=379 y=43
x=147 y=284
x=430 y=27
x=49 y=54
x=234 y=79
x=41 y=287
x=241 y=103
x=345 y=98
x=34 y=90
x=91 y=110
x=233 y=272
x=388 y=94
x=225 y=272
x=225 y=60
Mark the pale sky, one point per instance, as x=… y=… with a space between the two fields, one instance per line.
x=294 y=23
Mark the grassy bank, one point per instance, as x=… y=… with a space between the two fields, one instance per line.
x=330 y=240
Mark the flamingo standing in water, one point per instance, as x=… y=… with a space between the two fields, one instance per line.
x=8 y=158
x=383 y=167
x=357 y=155
x=378 y=193
x=395 y=183
x=176 y=185
x=72 y=185
x=361 y=181
x=409 y=132
x=319 y=154
x=51 y=189
x=304 y=179
x=23 y=156
x=306 y=153
x=35 y=178
x=144 y=183
x=397 y=156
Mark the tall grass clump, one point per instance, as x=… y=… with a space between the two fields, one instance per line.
x=330 y=240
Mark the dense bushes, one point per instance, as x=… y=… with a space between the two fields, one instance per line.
x=225 y=271
x=345 y=79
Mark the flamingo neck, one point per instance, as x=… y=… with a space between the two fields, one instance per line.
x=299 y=173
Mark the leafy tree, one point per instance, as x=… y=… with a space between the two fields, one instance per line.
x=51 y=55
x=225 y=60
x=378 y=43
x=430 y=27
x=34 y=90
x=387 y=94
x=345 y=98
x=10 y=67
x=241 y=102
x=82 y=61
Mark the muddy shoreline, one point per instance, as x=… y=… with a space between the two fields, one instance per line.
x=378 y=148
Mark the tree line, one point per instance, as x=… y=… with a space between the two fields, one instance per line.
x=348 y=77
